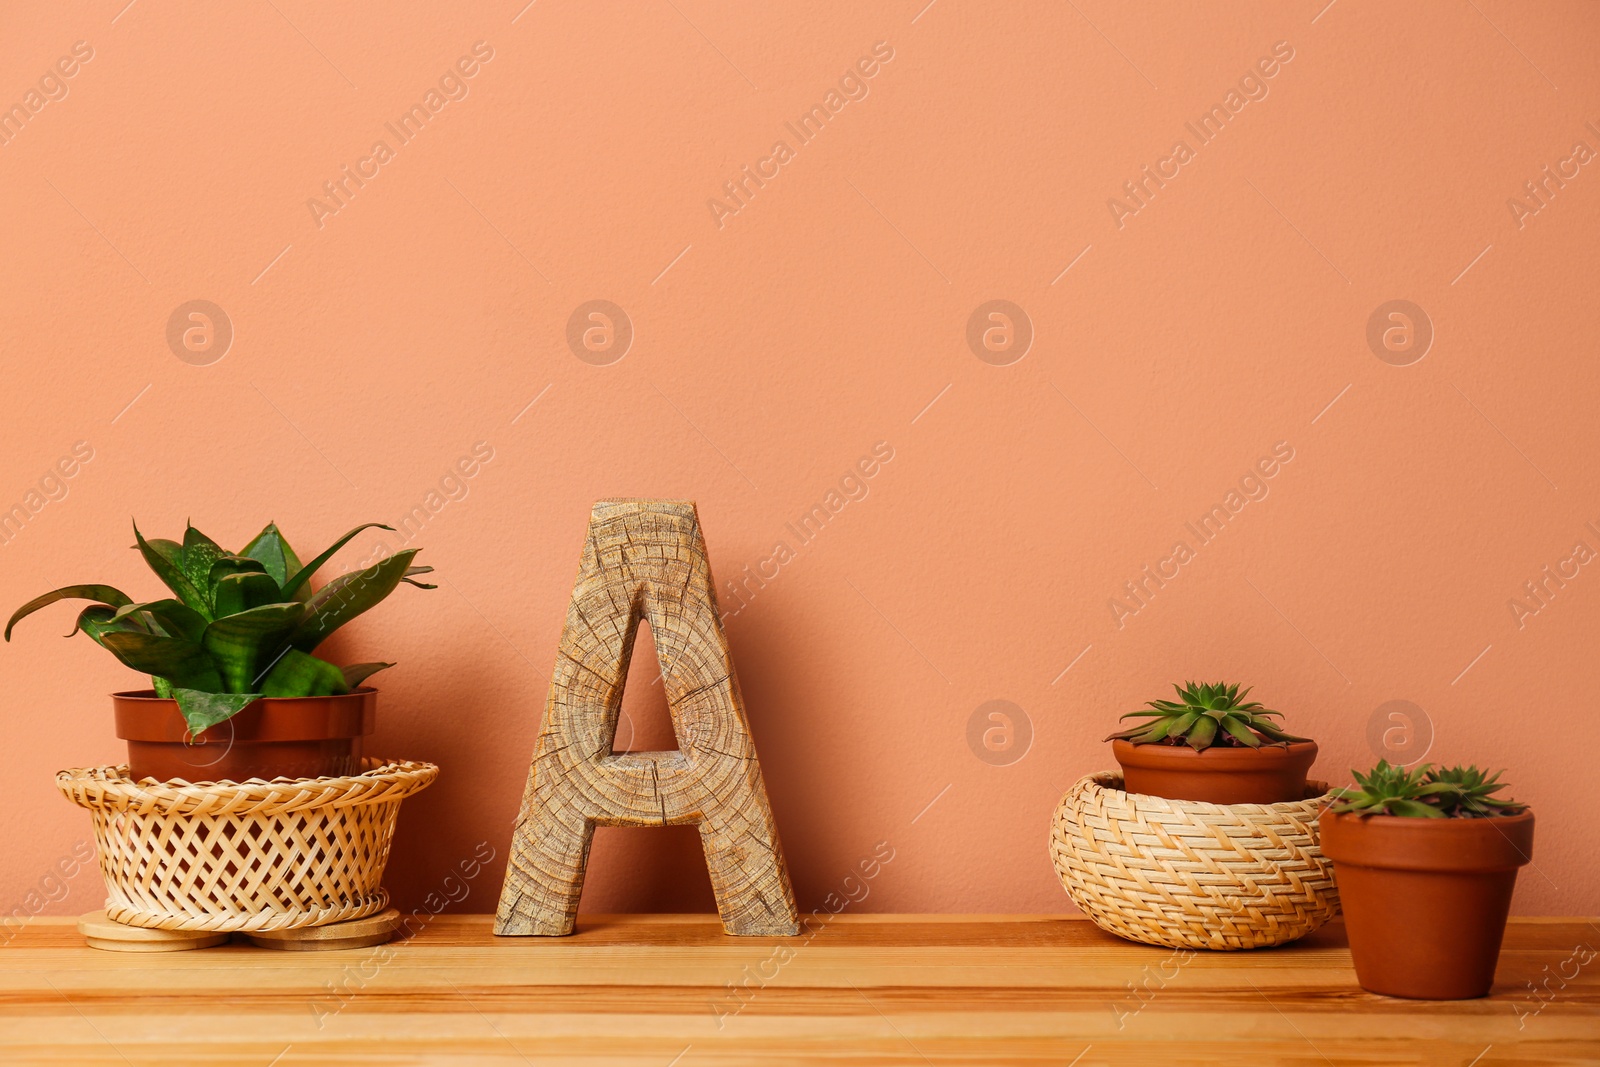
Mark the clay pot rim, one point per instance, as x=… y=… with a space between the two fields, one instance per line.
x=1113 y=781
x=1446 y=825
x=1452 y=844
x=1157 y=753
x=141 y=716
x=150 y=695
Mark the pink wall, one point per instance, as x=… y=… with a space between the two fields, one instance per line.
x=1178 y=340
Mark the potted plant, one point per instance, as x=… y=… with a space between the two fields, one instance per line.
x=1212 y=745
x=237 y=693
x=1426 y=860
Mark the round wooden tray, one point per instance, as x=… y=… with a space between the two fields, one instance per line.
x=356 y=933
x=102 y=933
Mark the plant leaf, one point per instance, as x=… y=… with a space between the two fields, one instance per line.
x=227 y=564
x=244 y=645
x=166 y=559
x=1183 y=723
x=244 y=590
x=201 y=709
x=1240 y=732
x=103 y=594
x=199 y=553
x=1413 y=809
x=1202 y=733
x=1157 y=731
x=300 y=674
x=272 y=549
x=175 y=619
x=347 y=596
x=95 y=620
x=1273 y=731
x=356 y=673
x=183 y=663
x=305 y=573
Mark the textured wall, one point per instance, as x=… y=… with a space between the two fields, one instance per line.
x=1190 y=298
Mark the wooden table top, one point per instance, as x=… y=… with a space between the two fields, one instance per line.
x=673 y=991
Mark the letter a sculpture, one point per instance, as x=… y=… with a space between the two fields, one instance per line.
x=644 y=558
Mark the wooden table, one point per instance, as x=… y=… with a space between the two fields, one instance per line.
x=656 y=991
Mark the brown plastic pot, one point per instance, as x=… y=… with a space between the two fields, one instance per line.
x=1425 y=900
x=275 y=737
x=1271 y=774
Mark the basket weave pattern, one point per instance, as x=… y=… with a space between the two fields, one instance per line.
x=244 y=856
x=1186 y=874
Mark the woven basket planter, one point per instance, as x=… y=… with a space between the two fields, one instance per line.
x=1185 y=874
x=246 y=856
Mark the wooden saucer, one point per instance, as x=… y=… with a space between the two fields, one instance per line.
x=102 y=933
x=356 y=933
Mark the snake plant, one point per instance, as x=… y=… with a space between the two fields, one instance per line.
x=239 y=625
x=1425 y=792
x=1203 y=716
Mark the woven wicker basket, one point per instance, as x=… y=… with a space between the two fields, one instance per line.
x=1185 y=874
x=226 y=856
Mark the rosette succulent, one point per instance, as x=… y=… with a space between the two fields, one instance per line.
x=239 y=625
x=1203 y=716
x=1425 y=792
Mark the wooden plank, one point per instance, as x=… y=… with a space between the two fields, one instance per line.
x=881 y=990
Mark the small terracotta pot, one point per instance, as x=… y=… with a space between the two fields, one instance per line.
x=1271 y=774
x=275 y=737
x=1425 y=900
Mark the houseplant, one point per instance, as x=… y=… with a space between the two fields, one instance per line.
x=237 y=693
x=1212 y=745
x=1426 y=860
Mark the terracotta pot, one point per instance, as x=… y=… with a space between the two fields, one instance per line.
x=1271 y=774
x=275 y=737
x=1425 y=900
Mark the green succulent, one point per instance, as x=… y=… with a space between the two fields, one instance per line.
x=1425 y=792
x=239 y=625
x=1203 y=716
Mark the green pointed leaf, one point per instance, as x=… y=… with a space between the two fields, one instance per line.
x=103 y=594
x=1157 y=731
x=1184 y=723
x=95 y=620
x=1272 y=731
x=183 y=663
x=177 y=618
x=166 y=618
x=234 y=593
x=202 y=710
x=244 y=646
x=225 y=565
x=166 y=559
x=1202 y=733
x=300 y=674
x=1414 y=809
x=199 y=553
x=272 y=549
x=303 y=576
x=348 y=595
x=1240 y=732
x=357 y=673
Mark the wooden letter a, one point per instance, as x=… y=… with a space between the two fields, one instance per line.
x=644 y=558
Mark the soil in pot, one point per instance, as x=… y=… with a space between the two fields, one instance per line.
x=1271 y=774
x=275 y=737
x=1425 y=900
